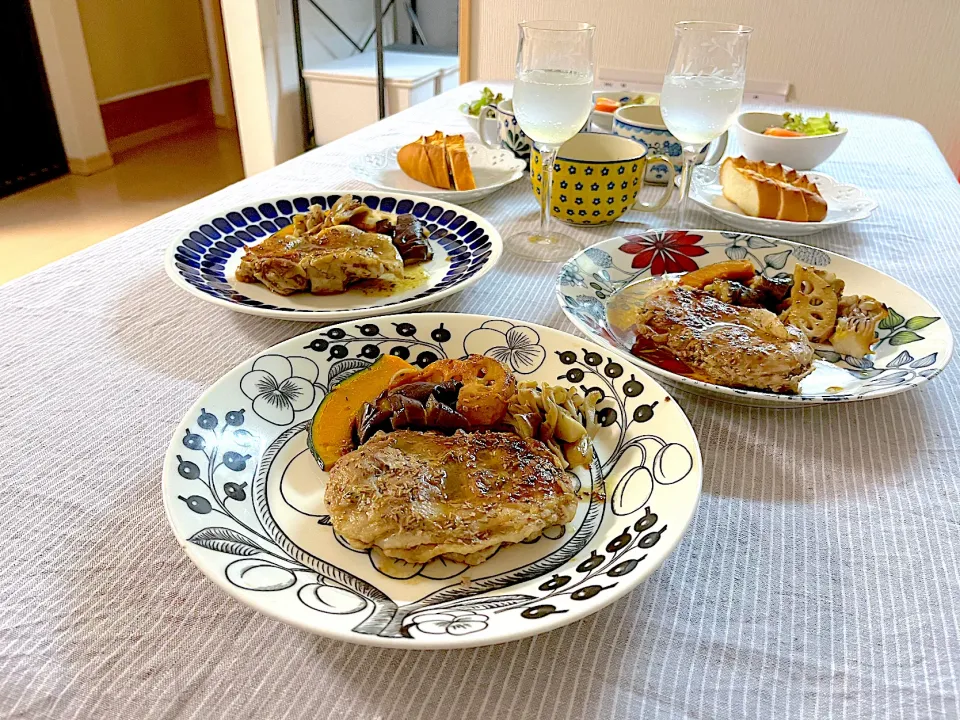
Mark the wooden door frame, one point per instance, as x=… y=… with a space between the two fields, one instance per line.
x=221 y=89
x=463 y=39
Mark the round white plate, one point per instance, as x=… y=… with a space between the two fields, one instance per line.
x=204 y=260
x=915 y=342
x=245 y=497
x=492 y=170
x=845 y=203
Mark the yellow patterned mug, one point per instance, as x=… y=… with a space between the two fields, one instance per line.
x=596 y=178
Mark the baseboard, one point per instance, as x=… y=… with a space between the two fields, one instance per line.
x=90 y=165
x=127 y=142
x=130 y=116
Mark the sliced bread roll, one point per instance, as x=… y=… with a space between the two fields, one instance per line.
x=439 y=161
x=771 y=191
x=459 y=163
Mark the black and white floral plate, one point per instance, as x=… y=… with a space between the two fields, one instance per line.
x=914 y=344
x=204 y=260
x=245 y=496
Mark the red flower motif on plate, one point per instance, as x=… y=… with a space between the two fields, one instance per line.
x=667 y=252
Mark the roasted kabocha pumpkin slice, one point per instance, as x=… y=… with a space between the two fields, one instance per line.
x=738 y=270
x=331 y=432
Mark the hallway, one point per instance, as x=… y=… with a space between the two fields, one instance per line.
x=53 y=220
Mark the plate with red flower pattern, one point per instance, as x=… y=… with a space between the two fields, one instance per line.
x=913 y=343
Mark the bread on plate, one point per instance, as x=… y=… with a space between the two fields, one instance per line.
x=439 y=161
x=764 y=190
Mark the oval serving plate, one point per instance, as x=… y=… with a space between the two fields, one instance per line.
x=205 y=258
x=845 y=203
x=915 y=342
x=245 y=496
x=493 y=168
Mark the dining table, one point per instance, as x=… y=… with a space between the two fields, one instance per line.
x=819 y=577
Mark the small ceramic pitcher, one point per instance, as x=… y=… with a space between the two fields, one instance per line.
x=509 y=134
x=596 y=178
x=644 y=123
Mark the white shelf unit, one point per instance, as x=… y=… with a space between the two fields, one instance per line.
x=343 y=93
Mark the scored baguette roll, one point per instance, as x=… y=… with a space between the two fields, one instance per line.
x=771 y=191
x=459 y=163
x=439 y=161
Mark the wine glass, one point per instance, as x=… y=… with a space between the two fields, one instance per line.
x=552 y=99
x=703 y=88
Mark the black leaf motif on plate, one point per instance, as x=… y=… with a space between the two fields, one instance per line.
x=225 y=540
x=483 y=603
x=777 y=260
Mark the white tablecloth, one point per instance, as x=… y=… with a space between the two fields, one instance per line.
x=819 y=577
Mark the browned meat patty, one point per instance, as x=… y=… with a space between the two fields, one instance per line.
x=729 y=345
x=422 y=495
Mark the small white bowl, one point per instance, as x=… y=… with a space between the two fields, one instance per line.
x=604 y=120
x=474 y=121
x=800 y=153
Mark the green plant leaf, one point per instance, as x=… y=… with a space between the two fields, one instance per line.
x=903 y=337
x=919 y=322
x=892 y=320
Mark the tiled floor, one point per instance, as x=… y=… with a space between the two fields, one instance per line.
x=50 y=221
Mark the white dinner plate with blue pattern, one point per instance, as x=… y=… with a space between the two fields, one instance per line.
x=203 y=261
x=244 y=494
x=914 y=344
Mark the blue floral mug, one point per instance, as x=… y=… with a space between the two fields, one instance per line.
x=509 y=134
x=644 y=123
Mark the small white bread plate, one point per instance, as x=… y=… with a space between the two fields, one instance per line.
x=845 y=204
x=492 y=170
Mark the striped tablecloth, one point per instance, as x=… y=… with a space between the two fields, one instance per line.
x=820 y=576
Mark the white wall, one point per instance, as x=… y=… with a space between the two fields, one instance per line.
x=884 y=56
x=263 y=67
x=266 y=89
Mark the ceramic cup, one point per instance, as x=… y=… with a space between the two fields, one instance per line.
x=596 y=178
x=509 y=135
x=644 y=123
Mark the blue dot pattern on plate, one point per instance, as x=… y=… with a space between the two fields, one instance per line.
x=202 y=256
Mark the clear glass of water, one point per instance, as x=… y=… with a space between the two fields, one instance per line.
x=703 y=88
x=552 y=99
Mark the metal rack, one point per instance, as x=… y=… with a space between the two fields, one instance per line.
x=379 y=11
